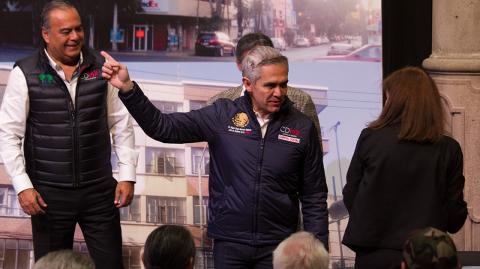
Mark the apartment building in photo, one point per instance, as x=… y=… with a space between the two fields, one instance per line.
x=171 y=188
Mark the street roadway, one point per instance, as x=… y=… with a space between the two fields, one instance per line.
x=10 y=54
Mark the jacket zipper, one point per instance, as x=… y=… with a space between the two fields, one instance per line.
x=257 y=189
x=76 y=180
x=73 y=118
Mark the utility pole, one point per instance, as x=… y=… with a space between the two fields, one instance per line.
x=339 y=233
x=115 y=27
x=197 y=19
x=200 y=203
x=92 y=31
x=338 y=151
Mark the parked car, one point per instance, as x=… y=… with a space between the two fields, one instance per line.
x=317 y=40
x=301 y=42
x=214 y=43
x=340 y=49
x=279 y=43
x=368 y=53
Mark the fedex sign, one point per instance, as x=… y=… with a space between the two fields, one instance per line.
x=155 y=5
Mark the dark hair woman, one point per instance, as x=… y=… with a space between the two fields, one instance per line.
x=169 y=247
x=405 y=173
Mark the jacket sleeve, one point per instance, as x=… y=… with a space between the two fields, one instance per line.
x=456 y=206
x=313 y=191
x=193 y=126
x=354 y=176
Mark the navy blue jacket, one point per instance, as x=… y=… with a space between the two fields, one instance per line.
x=255 y=184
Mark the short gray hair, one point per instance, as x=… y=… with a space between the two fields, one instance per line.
x=258 y=57
x=49 y=7
x=64 y=259
x=300 y=250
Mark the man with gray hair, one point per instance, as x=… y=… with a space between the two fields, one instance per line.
x=64 y=259
x=300 y=250
x=300 y=99
x=265 y=159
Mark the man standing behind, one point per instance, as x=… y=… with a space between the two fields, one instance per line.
x=265 y=158
x=57 y=103
x=301 y=100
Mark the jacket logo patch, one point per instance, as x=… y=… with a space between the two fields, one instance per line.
x=289 y=139
x=240 y=120
x=45 y=79
x=289 y=134
x=94 y=74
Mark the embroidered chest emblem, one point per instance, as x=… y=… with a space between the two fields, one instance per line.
x=94 y=74
x=240 y=122
x=45 y=79
x=289 y=134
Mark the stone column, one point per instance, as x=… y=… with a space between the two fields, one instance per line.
x=455 y=66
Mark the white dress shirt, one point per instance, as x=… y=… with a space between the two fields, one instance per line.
x=263 y=121
x=13 y=117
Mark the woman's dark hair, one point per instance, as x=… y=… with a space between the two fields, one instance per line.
x=414 y=102
x=169 y=247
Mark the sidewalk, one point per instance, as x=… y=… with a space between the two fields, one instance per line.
x=151 y=53
x=11 y=53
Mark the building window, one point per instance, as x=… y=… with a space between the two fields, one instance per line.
x=196 y=210
x=204 y=258
x=9 y=205
x=167 y=107
x=194 y=105
x=80 y=247
x=198 y=164
x=131 y=212
x=131 y=257
x=164 y=161
x=166 y=210
x=16 y=253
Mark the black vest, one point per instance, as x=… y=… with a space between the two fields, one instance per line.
x=66 y=145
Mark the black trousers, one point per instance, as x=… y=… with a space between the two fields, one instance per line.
x=93 y=209
x=230 y=255
x=378 y=258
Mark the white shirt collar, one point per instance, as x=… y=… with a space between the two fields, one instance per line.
x=56 y=66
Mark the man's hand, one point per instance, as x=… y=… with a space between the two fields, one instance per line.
x=31 y=202
x=116 y=73
x=123 y=193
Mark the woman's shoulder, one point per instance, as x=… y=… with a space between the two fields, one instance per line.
x=384 y=131
x=450 y=142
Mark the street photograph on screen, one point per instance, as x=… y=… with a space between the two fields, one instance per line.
x=183 y=52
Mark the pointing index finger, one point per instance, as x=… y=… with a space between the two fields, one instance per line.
x=107 y=56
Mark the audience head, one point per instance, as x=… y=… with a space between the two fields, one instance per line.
x=300 y=251
x=248 y=42
x=169 y=247
x=413 y=101
x=64 y=259
x=429 y=248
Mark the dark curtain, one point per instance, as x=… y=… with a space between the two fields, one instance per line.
x=406 y=33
